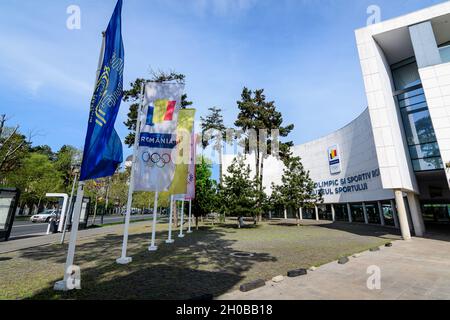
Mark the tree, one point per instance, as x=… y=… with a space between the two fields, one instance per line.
x=66 y=160
x=133 y=96
x=36 y=177
x=213 y=124
x=14 y=148
x=297 y=189
x=206 y=190
x=239 y=192
x=256 y=115
x=118 y=188
x=44 y=150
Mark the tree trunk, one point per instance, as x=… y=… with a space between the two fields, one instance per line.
x=261 y=175
x=220 y=166
x=196 y=223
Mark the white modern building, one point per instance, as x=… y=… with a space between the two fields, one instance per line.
x=391 y=165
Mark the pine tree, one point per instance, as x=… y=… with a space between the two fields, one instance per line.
x=238 y=194
x=257 y=114
x=214 y=121
x=297 y=189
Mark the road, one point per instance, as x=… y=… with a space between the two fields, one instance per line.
x=23 y=229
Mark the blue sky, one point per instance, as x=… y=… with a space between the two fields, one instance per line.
x=302 y=52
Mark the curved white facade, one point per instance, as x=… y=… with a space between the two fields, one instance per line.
x=359 y=179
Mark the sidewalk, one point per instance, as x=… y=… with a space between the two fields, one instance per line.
x=416 y=269
x=19 y=244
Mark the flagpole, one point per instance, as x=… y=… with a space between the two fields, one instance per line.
x=67 y=283
x=123 y=258
x=67 y=216
x=190 y=216
x=181 y=235
x=169 y=239
x=153 y=247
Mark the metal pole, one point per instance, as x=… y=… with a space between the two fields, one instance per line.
x=181 y=235
x=69 y=209
x=169 y=239
x=190 y=216
x=153 y=247
x=62 y=285
x=124 y=259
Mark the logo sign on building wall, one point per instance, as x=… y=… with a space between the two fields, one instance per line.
x=334 y=159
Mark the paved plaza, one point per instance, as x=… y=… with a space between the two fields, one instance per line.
x=415 y=269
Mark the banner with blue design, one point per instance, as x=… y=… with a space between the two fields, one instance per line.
x=103 y=149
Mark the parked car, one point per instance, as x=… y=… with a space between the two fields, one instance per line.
x=44 y=216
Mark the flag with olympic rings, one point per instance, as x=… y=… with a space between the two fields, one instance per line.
x=156 y=157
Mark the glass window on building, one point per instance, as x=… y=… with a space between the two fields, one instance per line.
x=340 y=212
x=325 y=212
x=373 y=214
x=357 y=212
x=388 y=214
x=420 y=135
x=309 y=213
x=439 y=213
x=444 y=50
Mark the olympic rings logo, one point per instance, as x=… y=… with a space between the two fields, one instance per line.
x=156 y=159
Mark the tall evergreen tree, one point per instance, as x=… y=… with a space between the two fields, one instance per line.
x=214 y=121
x=258 y=114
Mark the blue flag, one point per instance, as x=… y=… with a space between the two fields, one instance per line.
x=103 y=148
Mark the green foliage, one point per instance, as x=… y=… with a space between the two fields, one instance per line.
x=133 y=96
x=206 y=189
x=297 y=188
x=239 y=192
x=213 y=121
x=65 y=161
x=256 y=114
x=36 y=177
x=14 y=147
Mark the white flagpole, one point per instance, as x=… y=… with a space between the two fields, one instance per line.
x=181 y=235
x=67 y=283
x=169 y=239
x=124 y=259
x=153 y=247
x=67 y=215
x=190 y=216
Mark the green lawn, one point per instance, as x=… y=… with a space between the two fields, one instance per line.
x=198 y=264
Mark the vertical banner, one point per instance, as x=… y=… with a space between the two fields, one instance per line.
x=155 y=162
x=103 y=148
x=190 y=194
x=183 y=151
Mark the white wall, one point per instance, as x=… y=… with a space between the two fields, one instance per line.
x=436 y=84
x=389 y=137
